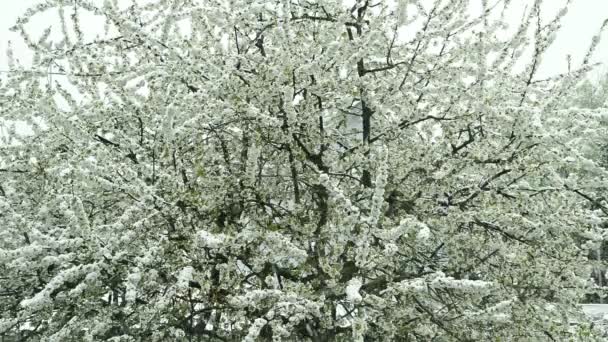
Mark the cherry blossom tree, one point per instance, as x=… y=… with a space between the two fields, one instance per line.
x=295 y=170
x=592 y=95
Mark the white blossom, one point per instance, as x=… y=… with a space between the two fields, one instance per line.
x=352 y=290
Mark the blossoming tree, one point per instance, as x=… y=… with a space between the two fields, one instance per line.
x=592 y=95
x=294 y=170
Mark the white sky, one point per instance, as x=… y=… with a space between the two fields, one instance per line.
x=580 y=24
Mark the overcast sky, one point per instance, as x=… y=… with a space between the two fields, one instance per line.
x=581 y=23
